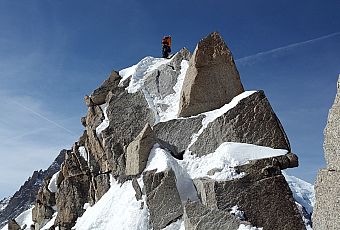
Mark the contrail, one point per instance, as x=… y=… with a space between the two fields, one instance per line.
x=254 y=56
x=44 y=118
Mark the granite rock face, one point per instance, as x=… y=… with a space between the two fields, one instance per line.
x=212 y=78
x=332 y=134
x=262 y=194
x=178 y=132
x=162 y=198
x=327 y=189
x=200 y=217
x=160 y=82
x=137 y=152
x=251 y=121
x=327 y=193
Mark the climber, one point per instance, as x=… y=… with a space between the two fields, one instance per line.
x=166 y=46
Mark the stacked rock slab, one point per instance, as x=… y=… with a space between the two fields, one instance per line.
x=212 y=78
x=262 y=194
x=251 y=121
x=327 y=188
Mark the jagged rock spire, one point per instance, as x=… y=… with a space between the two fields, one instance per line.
x=211 y=80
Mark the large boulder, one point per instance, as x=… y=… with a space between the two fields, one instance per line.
x=212 y=78
x=262 y=194
x=13 y=225
x=200 y=217
x=251 y=121
x=128 y=114
x=137 y=152
x=162 y=198
x=178 y=132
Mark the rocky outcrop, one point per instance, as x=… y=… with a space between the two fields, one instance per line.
x=160 y=82
x=122 y=126
x=251 y=121
x=13 y=225
x=211 y=80
x=178 y=132
x=262 y=194
x=26 y=195
x=327 y=188
x=98 y=96
x=137 y=152
x=73 y=189
x=200 y=217
x=43 y=207
x=162 y=198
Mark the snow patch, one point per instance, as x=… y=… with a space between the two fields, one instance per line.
x=25 y=218
x=138 y=71
x=105 y=123
x=50 y=223
x=303 y=192
x=162 y=160
x=172 y=100
x=225 y=158
x=52 y=186
x=83 y=153
x=237 y=213
x=178 y=225
x=117 y=209
x=248 y=227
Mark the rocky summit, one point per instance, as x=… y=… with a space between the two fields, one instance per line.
x=175 y=144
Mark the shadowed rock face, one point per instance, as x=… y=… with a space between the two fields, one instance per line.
x=263 y=194
x=211 y=80
x=251 y=121
x=162 y=198
x=327 y=187
x=200 y=217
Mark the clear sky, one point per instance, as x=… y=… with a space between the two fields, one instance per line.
x=52 y=53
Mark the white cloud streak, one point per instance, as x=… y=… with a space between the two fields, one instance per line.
x=284 y=48
x=43 y=117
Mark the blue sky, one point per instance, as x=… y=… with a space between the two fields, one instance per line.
x=52 y=53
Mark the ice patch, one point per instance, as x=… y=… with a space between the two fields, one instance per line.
x=162 y=160
x=52 y=186
x=83 y=153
